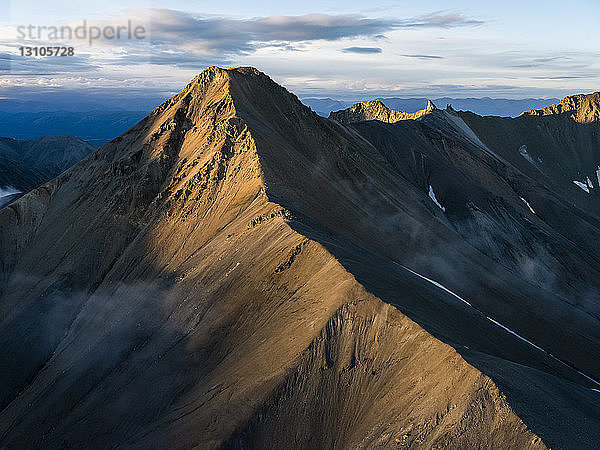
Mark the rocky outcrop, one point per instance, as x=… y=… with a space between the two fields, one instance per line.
x=583 y=108
x=376 y=110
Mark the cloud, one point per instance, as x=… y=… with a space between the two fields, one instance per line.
x=210 y=35
x=44 y=66
x=550 y=59
x=362 y=50
x=218 y=35
x=186 y=41
x=424 y=56
x=564 y=77
x=439 y=20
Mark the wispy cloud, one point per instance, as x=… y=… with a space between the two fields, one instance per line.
x=440 y=20
x=564 y=77
x=424 y=56
x=362 y=50
x=550 y=59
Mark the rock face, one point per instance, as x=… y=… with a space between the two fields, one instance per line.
x=583 y=108
x=376 y=110
x=236 y=271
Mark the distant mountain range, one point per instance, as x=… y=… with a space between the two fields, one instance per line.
x=94 y=119
x=483 y=106
x=95 y=127
x=79 y=102
x=98 y=122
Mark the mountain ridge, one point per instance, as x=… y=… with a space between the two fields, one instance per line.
x=583 y=108
x=376 y=110
x=485 y=106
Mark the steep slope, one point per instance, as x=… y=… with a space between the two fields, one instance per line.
x=239 y=254
x=560 y=146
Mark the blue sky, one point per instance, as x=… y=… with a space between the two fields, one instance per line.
x=348 y=50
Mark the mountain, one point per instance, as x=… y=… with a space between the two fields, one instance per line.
x=323 y=106
x=581 y=108
x=25 y=165
x=376 y=110
x=82 y=101
x=94 y=126
x=238 y=272
x=483 y=106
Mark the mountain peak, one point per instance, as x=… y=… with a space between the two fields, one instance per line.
x=212 y=72
x=224 y=80
x=244 y=88
x=583 y=108
x=377 y=110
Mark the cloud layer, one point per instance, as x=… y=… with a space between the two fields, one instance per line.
x=443 y=53
x=230 y=36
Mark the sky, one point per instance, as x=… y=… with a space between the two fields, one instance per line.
x=346 y=50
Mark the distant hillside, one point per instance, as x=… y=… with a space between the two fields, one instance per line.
x=25 y=165
x=96 y=127
x=483 y=106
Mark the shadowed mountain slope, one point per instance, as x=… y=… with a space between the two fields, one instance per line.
x=236 y=271
x=25 y=165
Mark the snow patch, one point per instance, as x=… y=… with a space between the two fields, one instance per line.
x=513 y=333
x=528 y=205
x=582 y=185
x=434 y=198
x=589 y=183
x=498 y=324
x=436 y=284
x=598 y=175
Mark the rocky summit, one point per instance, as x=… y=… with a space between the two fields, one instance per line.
x=236 y=271
x=584 y=108
x=376 y=110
